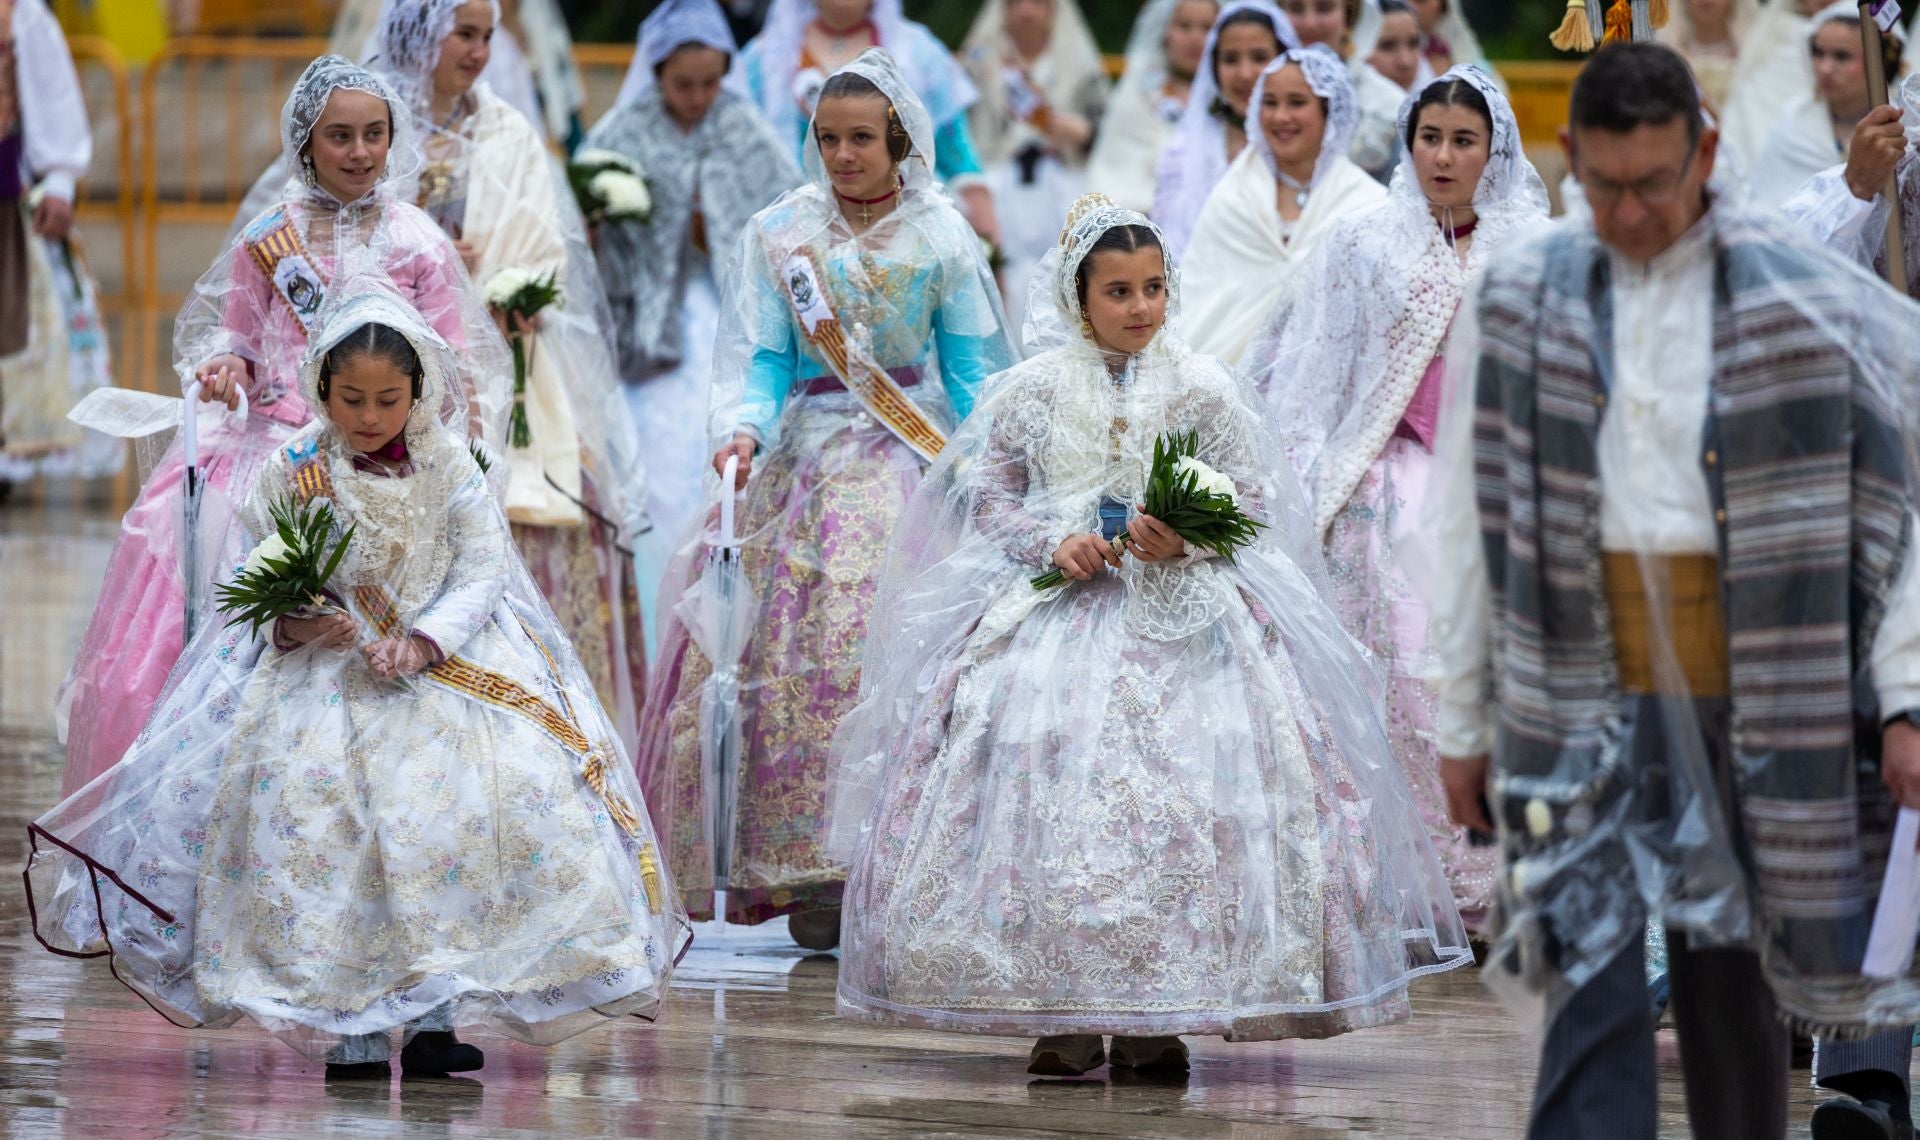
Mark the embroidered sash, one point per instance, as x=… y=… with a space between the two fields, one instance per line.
x=311 y=479
x=275 y=245
x=878 y=392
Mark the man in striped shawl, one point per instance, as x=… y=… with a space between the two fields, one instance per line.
x=1677 y=626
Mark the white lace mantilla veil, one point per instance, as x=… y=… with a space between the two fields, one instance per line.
x=1053 y=436
x=810 y=215
x=1374 y=304
x=1197 y=158
x=668 y=28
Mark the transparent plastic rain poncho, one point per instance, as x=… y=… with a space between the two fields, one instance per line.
x=769 y=73
x=295 y=840
x=1614 y=807
x=1141 y=115
x=1827 y=211
x=1173 y=776
x=1244 y=259
x=1069 y=75
x=726 y=169
x=1714 y=70
x=914 y=299
x=1773 y=65
x=1350 y=364
x=1033 y=180
x=1196 y=159
x=138 y=624
x=578 y=489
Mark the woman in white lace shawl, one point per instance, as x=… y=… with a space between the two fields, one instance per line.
x=1212 y=133
x=710 y=162
x=1169 y=772
x=576 y=487
x=1811 y=132
x=1278 y=201
x=1352 y=366
x=1043 y=95
x=1349 y=28
x=1845 y=206
x=1164 y=53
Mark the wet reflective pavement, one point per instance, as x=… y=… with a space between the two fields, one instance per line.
x=748 y=1046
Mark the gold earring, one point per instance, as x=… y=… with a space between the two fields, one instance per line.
x=1086 y=326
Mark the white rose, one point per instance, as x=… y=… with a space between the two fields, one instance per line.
x=273 y=547
x=599 y=156
x=624 y=195
x=1206 y=478
x=503 y=285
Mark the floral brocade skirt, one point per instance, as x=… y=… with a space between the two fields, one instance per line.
x=591 y=586
x=1373 y=557
x=815 y=522
x=1086 y=830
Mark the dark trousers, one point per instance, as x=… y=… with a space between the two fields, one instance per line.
x=1597 y=1072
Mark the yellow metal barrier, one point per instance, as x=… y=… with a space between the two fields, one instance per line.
x=1539 y=91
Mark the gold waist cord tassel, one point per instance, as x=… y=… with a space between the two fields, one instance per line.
x=650 y=879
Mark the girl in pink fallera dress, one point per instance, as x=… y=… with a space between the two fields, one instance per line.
x=244 y=329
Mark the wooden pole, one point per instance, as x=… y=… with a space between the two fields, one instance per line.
x=1876 y=96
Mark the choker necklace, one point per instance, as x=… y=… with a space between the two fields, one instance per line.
x=865 y=25
x=867 y=204
x=1455 y=233
x=1299 y=188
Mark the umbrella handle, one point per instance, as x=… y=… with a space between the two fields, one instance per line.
x=728 y=539
x=190 y=421
x=189 y=426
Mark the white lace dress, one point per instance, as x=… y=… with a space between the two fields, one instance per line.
x=1129 y=805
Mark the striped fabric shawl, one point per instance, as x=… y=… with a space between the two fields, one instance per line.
x=1806 y=468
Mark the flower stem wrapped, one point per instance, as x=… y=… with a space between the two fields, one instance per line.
x=1200 y=504
x=521 y=294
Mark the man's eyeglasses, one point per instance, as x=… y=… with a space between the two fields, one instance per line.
x=1663 y=190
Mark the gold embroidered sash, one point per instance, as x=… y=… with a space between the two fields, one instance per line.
x=311 y=479
x=274 y=243
x=878 y=392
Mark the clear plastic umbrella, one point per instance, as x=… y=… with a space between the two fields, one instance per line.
x=724 y=611
x=192 y=485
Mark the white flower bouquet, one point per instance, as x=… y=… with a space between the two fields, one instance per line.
x=521 y=294
x=609 y=186
x=1200 y=504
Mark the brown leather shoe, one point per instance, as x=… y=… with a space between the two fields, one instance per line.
x=815 y=929
x=1067 y=1055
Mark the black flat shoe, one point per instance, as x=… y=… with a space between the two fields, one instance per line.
x=1067 y=1055
x=360 y=1071
x=435 y=1053
x=1158 y=1057
x=1844 y=1118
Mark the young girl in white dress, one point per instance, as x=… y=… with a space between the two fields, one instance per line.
x=407 y=809
x=1157 y=800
